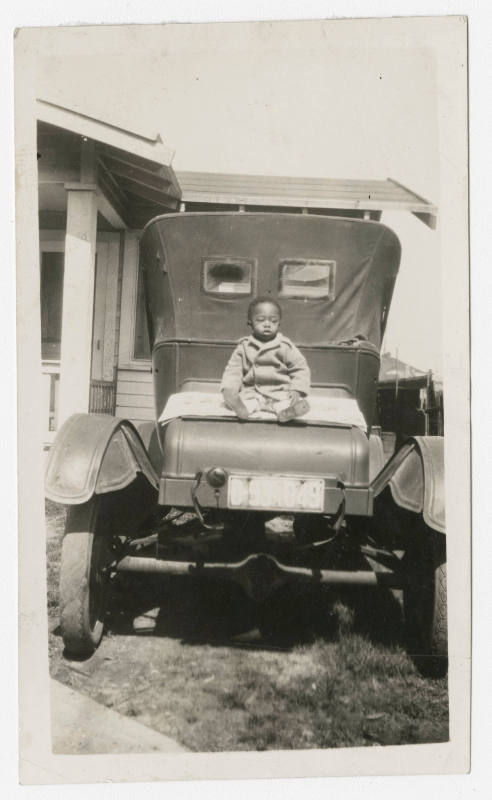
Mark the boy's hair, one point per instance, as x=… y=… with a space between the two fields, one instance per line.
x=263 y=299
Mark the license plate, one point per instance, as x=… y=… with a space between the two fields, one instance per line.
x=270 y=492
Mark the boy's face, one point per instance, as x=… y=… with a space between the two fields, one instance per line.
x=264 y=321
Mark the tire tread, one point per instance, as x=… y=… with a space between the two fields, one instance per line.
x=78 y=637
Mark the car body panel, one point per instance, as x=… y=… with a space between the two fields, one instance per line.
x=339 y=453
x=344 y=371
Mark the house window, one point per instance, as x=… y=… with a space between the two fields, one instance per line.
x=141 y=345
x=227 y=276
x=51 y=304
x=307 y=279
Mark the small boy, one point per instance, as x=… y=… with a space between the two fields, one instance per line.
x=266 y=371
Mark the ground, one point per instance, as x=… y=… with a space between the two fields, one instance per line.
x=326 y=671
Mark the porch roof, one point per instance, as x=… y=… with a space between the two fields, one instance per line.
x=134 y=174
x=137 y=182
x=309 y=193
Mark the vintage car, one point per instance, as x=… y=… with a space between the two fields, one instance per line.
x=201 y=493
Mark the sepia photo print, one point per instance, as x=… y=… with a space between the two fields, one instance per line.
x=245 y=244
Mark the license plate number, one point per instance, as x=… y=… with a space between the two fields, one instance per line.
x=271 y=492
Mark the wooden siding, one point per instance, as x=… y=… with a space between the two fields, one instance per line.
x=135 y=395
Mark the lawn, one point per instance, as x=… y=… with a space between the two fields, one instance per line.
x=332 y=671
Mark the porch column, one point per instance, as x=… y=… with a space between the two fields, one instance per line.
x=78 y=300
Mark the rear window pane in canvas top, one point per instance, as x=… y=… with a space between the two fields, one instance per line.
x=308 y=279
x=229 y=276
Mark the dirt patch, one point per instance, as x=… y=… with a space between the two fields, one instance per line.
x=218 y=673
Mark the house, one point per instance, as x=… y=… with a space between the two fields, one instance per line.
x=394 y=369
x=98 y=185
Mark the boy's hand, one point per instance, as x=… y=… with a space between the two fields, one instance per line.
x=234 y=403
x=241 y=410
x=230 y=398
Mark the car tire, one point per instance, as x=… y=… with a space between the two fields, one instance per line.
x=84 y=577
x=425 y=605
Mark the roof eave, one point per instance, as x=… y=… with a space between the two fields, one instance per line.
x=147 y=147
x=305 y=193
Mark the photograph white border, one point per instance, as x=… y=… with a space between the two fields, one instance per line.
x=456 y=365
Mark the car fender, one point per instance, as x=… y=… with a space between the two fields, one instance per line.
x=149 y=435
x=415 y=477
x=95 y=454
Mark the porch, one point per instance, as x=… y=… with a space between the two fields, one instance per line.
x=97 y=186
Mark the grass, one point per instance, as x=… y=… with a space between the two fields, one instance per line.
x=335 y=676
x=55 y=522
x=335 y=695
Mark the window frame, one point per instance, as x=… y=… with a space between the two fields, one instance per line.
x=143 y=322
x=128 y=307
x=239 y=261
x=331 y=262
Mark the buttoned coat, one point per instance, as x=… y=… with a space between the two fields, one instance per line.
x=269 y=368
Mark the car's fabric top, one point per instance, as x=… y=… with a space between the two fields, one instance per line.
x=175 y=247
x=323 y=410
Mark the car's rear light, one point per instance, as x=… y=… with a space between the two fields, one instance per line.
x=216 y=477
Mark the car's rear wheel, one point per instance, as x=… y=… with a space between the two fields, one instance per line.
x=425 y=605
x=84 y=577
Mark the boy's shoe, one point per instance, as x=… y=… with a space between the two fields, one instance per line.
x=296 y=409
